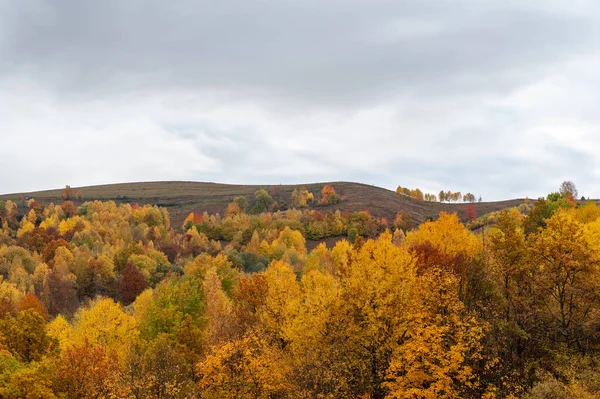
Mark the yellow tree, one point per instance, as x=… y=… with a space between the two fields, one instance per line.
x=248 y=368
x=449 y=245
x=218 y=309
x=441 y=346
x=567 y=277
x=319 y=345
x=281 y=301
x=301 y=198
x=104 y=323
x=377 y=289
x=508 y=260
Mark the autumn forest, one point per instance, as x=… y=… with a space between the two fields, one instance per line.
x=100 y=299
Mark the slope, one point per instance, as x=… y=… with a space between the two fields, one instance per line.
x=180 y=198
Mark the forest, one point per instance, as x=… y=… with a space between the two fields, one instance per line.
x=107 y=300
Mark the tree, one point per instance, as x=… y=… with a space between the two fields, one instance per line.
x=247 y=368
x=416 y=194
x=26 y=382
x=536 y=218
x=131 y=284
x=440 y=355
x=262 y=201
x=567 y=278
x=218 y=309
x=242 y=203
x=68 y=193
x=31 y=301
x=25 y=336
x=87 y=371
x=468 y=197
x=158 y=369
x=568 y=188
x=68 y=208
x=403 y=221
x=329 y=196
x=104 y=323
x=233 y=209
x=470 y=213
x=301 y=198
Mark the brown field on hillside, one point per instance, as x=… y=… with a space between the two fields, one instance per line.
x=181 y=198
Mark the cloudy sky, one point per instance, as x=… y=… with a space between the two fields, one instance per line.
x=497 y=97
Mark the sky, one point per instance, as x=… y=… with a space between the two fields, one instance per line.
x=495 y=97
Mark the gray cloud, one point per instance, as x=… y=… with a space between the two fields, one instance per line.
x=495 y=97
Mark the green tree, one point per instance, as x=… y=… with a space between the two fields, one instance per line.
x=262 y=201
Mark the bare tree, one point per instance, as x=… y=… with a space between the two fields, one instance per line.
x=568 y=188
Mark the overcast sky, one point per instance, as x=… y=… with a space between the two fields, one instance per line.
x=497 y=97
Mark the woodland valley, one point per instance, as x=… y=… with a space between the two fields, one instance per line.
x=293 y=292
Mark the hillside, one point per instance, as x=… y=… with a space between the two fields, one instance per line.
x=180 y=198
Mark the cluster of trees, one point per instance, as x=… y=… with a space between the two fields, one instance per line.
x=70 y=194
x=444 y=196
x=416 y=194
x=449 y=196
x=102 y=301
x=300 y=198
x=238 y=228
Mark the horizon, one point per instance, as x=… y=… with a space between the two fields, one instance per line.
x=495 y=98
x=484 y=199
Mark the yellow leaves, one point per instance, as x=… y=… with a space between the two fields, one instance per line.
x=592 y=234
x=567 y=263
x=189 y=220
x=218 y=309
x=245 y=369
x=446 y=235
x=145 y=264
x=27 y=227
x=10 y=292
x=76 y=222
x=51 y=221
x=320 y=302
x=141 y=305
x=319 y=259
x=301 y=198
x=61 y=330
x=341 y=255
x=443 y=342
x=282 y=300
x=104 y=323
x=289 y=241
x=590 y=212
x=32 y=382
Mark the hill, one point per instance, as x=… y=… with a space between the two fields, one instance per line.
x=180 y=198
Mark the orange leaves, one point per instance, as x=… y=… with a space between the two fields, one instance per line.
x=87 y=371
x=329 y=196
x=233 y=209
x=31 y=301
x=248 y=368
x=68 y=193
